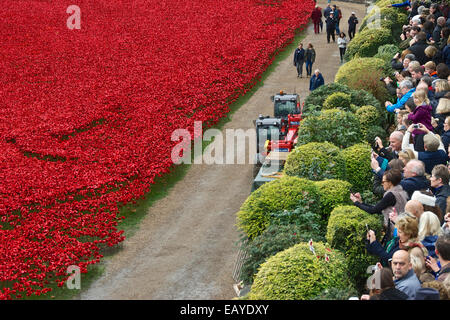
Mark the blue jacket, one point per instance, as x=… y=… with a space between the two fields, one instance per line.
x=407 y=3
x=316 y=82
x=414 y=183
x=432 y=159
x=299 y=55
x=429 y=242
x=401 y=102
x=408 y=284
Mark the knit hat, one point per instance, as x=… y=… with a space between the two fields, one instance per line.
x=424 y=199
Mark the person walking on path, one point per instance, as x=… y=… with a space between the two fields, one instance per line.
x=316 y=17
x=342 y=44
x=316 y=80
x=352 y=22
x=299 y=59
x=337 y=17
x=331 y=27
x=310 y=58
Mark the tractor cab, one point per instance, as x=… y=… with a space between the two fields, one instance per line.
x=267 y=129
x=285 y=104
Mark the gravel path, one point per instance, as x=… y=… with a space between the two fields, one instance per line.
x=185 y=246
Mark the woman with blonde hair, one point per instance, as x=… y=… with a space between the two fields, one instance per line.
x=421 y=113
x=406 y=155
x=407 y=233
x=429 y=231
x=417 y=256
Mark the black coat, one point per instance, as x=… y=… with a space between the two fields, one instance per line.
x=352 y=22
x=331 y=23
x=390 y=294
x=441 y=198
x=418 y=49
x=299 y=55
x=414 y=183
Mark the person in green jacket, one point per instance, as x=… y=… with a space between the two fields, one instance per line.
x=310 y=57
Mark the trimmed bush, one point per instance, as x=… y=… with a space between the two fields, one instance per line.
x=365 y=74
x=338 y=100
x=335 y=126
x=368 y=116
x=347 y=232
x=393 y=15
x=274 y=239
x=366 y=42
x=315 y=161
x=316 y=98
x=387 y=52
x=357 y=162
x=298 y=274
x=333 y=193
x=337 y=294
x=282 y=194
x=375 y=131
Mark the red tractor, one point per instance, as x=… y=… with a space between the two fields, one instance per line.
x=276 y=137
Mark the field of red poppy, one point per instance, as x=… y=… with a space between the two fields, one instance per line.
x=86 y=115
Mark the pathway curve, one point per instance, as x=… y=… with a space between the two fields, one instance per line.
x=185 y=246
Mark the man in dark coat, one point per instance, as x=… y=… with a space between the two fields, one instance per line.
x=327 y=11
x=440 y=23
x=316 y=80
x=414 y=177
x=299 y=59
x=418 y=48
x=331 y=27
x=352 y=22
x=439 y=186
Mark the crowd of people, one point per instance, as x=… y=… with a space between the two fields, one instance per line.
x=412 y=174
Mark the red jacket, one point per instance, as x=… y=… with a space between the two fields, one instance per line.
x=316 y=15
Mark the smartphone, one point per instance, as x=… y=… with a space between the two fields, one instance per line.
x=367 y=227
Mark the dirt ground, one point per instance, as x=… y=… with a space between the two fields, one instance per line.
x=185 y=247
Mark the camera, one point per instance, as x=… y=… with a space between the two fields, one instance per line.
x=416 y=126
x=382 y=79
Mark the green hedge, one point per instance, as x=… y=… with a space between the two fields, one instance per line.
x=387 y=52
x=298 y=274
x=282 y=194
x=315 y=161
x=365 y=74
x=347 y=232
x=338 y=100
x=368 y=116
x=357 y=162
x=333 y=193
x=274 y=239
x=316 y=99
x=366 y=42
x=336 y=126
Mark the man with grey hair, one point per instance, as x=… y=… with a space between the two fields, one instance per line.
x=434 y=153
x=440 y=23
x=414 y=177
x=405 y=278
x=406 y=90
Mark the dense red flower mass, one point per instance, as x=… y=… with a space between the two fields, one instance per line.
x=86 y=116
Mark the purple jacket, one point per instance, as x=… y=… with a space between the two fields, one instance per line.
x=422 y=114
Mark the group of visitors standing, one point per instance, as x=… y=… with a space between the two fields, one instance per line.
x=332 y=15
x=307 y=57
